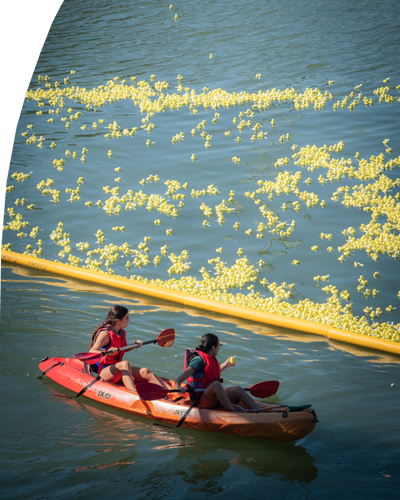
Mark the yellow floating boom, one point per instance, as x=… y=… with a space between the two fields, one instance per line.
x=202 y=303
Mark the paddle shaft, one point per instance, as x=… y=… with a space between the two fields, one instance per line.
x=248 y=389
x=131 y=346
x=164 y=339
x=151 y=392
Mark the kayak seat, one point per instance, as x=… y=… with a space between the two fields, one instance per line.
x=91 y=369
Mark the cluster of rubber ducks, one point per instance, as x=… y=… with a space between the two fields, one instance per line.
x=153 y=97
x=377 y=238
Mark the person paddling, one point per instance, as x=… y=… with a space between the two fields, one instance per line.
x=110 y=336
x=203 y=371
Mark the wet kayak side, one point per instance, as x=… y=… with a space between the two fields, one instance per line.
x=277 y=425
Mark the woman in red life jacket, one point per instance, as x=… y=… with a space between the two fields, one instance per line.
x=202 y=371
x=110 y=336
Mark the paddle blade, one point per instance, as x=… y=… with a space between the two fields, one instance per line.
x=264 y=389
x=88 y=357
x=166 y=338
x=150 y=392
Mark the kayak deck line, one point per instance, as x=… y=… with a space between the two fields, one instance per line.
x=179 y=297
x=282 y=425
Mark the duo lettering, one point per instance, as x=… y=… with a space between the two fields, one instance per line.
x=104 y=395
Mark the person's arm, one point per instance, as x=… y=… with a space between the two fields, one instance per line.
x=226 y=364
x=189 y=371
x=139 y=344
x=102 y=339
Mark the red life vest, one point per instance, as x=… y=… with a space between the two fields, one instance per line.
x=212 y=370
x=115 y=341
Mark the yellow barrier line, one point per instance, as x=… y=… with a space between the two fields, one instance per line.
x=301 y=325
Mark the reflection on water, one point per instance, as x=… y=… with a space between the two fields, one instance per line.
x=82 y=445
x=112 y=431
x=56 y=448
x=139 y=304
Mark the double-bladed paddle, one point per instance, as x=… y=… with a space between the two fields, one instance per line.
x=165 y=339
x=151 y=392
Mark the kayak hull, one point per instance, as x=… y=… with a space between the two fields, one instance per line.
x=278 y=425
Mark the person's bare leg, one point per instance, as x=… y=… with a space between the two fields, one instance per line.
x=114 y=373
x=235 y=393
x=145 y=375
x=213 y=394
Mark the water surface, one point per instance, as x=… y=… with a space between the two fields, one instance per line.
x=56 y=448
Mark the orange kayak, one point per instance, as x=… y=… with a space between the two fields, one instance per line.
x=272 y=423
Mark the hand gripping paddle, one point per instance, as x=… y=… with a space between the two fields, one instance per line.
x=165 y=339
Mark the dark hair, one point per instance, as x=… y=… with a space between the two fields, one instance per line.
x=207 y=341
x=114 y=313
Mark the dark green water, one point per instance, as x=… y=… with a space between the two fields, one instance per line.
x=56 y=448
